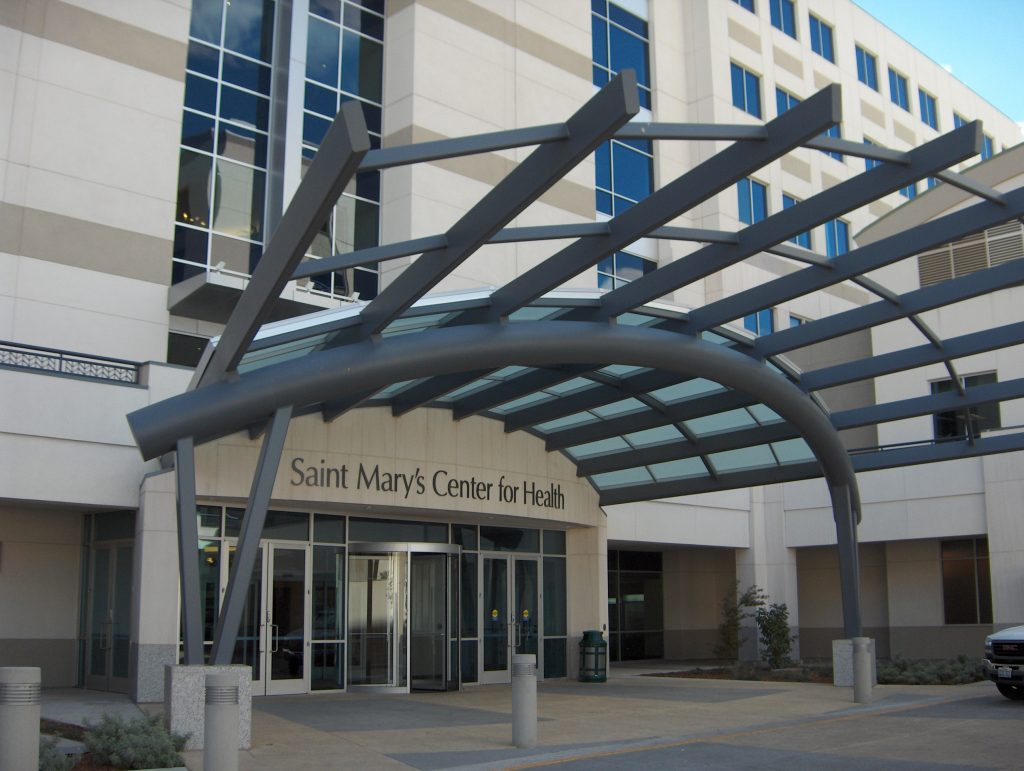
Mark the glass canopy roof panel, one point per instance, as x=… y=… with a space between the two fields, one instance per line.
x=654 y=436
x=764 y=415
x=621 y=370
x=759 y=456
x=622 y=478
x=719 y=422
x=535 y=313
x=600 y=447
x=537 y=397
x=576 y=419
x=684 y=468
x=576 y=385
x=407 y=324
x=621 y=407
x=689 y=389
x=276 y=354
x=792 y=451
x=394 y=388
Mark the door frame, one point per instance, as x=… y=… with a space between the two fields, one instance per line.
x=407 y=549
x=268 y=686
x=107 y=681
x=505 y=675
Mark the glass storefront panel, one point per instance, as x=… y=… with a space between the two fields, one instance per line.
x=328 y=606
x=509 y=539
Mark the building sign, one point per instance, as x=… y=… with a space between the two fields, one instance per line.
x=415 y=483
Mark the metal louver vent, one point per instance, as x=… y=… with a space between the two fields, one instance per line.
x=934 y=267
x=969 y=257
x=1005 y=243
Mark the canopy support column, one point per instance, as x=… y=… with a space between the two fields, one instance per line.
x=849 y=569
x=188 y=542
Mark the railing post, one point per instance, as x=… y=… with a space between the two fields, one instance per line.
x=19 y=718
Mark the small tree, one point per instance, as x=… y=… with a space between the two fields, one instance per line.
x=773 y=629
x=734 y=610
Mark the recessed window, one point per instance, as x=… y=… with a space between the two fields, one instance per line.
x=800 y=239
x=746 y=90
x=910 y=191
x=185 y=350
x=760 y=323
x=621 y=268
x=970 y=421
x=959 y=120
x=821 y=38
x=966 y=581
x=867 y=68
x=620 y=41
x=625 y=174
x=784 y=101
x=835 y=133
x=898 y=90
x=796 y=321
x=748 y=4
x=870 y=163
x=988 y=147
x=929 y=114
x=752 y=198
x=837 y=237
x=782 y=16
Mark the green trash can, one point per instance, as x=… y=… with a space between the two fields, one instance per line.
x=593 y=657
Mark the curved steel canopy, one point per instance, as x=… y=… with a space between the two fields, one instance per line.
x=648 y=400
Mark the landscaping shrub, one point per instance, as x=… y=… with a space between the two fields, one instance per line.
x=734 y=610
x=139 y=743
x=50 y=758
x=956 y=671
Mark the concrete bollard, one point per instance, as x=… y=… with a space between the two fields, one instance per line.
x=220 y=750
x=861 y=670
x=19 y=718
x=524 y=700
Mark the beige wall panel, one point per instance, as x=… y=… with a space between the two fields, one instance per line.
x=819 y=591
x=915 y=581
x=1004 y=491
x=156 y=563
x=696 y=581
x=586 y=586
x=167 y=18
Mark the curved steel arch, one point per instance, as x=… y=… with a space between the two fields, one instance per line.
x=207 y=413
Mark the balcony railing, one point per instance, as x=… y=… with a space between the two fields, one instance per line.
x=52 y=360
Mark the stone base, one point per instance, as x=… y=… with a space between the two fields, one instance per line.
x=185 y=702
x=842 y=663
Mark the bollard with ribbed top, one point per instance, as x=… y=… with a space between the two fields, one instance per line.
x=220 y=751
x=524 y=699
x=861 y=670
x=19 y=718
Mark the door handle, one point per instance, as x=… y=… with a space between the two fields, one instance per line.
x=273 y=638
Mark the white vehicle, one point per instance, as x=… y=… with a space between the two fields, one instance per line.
x=1004 y=661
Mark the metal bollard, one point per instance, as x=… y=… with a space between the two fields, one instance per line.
x=220 y=734
x=19 y=718
x=524 y=700
x=861 y=670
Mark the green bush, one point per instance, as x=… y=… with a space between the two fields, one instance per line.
x=139 y=743
x=734 y=610
x=957 y=671
x=50 y=758
x=773 y=628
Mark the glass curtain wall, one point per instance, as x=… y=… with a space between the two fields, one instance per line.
x=635 y=605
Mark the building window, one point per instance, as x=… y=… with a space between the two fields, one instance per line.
x=748 y=4
x=783 y=17
x=973 y=421
x=821 y=38
x=800 y=239
x=753 y=200
x=837 y=237
x=966 y=581
x=185 y=350
x=835 y=133
x=635 y=605
x=988 y=147
x=959 y=120
x=932 y=182
x=620 y=41
x=621 y=268
x=796 y=321
x=910 y=191
x=898 y=90
x=870 y=163
x=928 y=112
x=746 y=90
x=625 y=174
x=867 y=68
x=760 y=323
x=784 y=101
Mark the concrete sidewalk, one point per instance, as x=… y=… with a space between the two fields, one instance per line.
x=635 y=721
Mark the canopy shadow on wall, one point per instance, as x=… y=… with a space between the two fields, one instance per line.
x=647 y=399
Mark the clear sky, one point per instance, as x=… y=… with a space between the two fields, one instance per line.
x=980 y=41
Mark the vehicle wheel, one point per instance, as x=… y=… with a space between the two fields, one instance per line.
x=1015 y=692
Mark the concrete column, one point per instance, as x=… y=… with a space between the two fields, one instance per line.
x=587 y=585
x=1004 y=490
x=19 y=718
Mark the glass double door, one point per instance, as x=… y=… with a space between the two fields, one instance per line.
x=511 y=613
x=273 y=636
x=108 y=634
x=402 y=633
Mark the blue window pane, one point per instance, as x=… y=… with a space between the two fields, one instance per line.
x=607 y=265
x=748 y=4
x=321 y=100
x=604 y=281
x=837 y=238
x=743 y=197
x=753 y=87
x=898 y=90
x=365 y=283
x=629 y=51
x=928 y=110
x=328 y=9
x=373 y=5
x=200 y=94
x=322 y=53
x=621 y=204
x=631 y=172
x=603 y=166
x=645 y=97
x=629 y=266
x=194 y=174
x=206 y=18
x=361 y=66
x=627 y=20
x=244 y=107
x=600 y=77
x=750 y=322
x=739 y=98
x=867 y=69
x=599 y=40
x=368 y=185
x=988 y=147
x=364 y=22
x=910 y=191
x=246 y=73
x=190 y=244
x=197 y=131
x=242 y=144
x=599 y=6
x=959 y=120
x=249 y=28
x=202 y=59
x=603 y=202
x=314 y=129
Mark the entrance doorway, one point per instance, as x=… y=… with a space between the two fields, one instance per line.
x=108 y=612
x=402 y=617
x=274 y=633
x=510 y=613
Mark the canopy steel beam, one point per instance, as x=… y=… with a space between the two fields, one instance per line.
x=714 y=175
x=226 y=632
x=855 y=263
x=850 y=194
x=333 y=166
x=434 y=388
x=188 y=559
x=507 y=390
x=917 y=301
x=937 y=452
x=680 y=450
x=597 y=120
x=928 y=405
